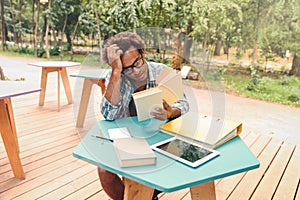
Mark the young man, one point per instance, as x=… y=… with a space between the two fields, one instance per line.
x=125 y=53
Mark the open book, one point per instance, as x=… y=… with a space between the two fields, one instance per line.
x=169 y=87
x=208 y=131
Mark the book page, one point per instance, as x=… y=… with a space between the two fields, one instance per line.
x=164 y=74
x=118 y=133
x=172 y=89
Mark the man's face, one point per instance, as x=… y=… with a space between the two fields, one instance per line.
x=134 y=65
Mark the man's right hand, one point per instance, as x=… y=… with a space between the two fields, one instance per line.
x=113 y=55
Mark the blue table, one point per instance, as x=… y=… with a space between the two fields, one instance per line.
x=167 y=175
x=91 y=77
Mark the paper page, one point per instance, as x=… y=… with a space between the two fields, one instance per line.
x=118 y=133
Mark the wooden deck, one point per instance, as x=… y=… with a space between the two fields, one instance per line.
x=47 y=138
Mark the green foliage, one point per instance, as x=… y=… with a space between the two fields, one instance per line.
x=239 y=54
x=284 y=90
x=257 y=82
x=55 y=51
x=156 y=57
x=271 y=26
x=40 y=52
x=294 y=98
x=26 y=50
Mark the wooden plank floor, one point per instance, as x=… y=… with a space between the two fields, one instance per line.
x=47 y=138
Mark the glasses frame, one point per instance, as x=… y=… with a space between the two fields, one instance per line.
x=130 y=69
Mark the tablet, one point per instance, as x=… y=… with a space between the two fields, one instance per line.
x=185 y=152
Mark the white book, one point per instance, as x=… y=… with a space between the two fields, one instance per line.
x=146 y=101
x=133 y=152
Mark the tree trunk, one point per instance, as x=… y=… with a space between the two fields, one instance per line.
x=62 y=35
x=19 y=34
x=256 y=32
x=47 y=34
x=204 y=48
x=295 y=66
x=176 y=59
x=13 y=21
x=218 y=46
x=32 y=22
x=99 y=33
x=36 y=29
x=2 y=25
x=71 y=40
x=188 y=42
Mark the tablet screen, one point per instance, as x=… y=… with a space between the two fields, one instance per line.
x=185 y=152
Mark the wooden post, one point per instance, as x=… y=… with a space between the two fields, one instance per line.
x=204 y=191
x=136 y=191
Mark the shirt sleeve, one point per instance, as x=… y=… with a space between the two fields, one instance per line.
x=182 y=104
x=109 y=111
x=112 y=112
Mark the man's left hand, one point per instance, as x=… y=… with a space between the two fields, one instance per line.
x=163 y=113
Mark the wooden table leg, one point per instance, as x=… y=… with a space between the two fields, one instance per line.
x=9 y=141
x=136 y=191
x=204 y=191
x=12 y=120
x=58 y=88
x=84 y=101
x=43 y=86
x=65 y=80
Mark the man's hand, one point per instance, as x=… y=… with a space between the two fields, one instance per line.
x=113 y=55
x=163 y=113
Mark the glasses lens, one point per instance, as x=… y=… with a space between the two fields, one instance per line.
x=137 y=64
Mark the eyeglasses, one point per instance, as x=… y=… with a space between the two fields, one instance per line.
x=138 y=63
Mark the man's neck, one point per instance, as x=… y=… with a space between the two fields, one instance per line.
x=140 y=87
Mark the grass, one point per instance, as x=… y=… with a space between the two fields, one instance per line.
x=284 y=90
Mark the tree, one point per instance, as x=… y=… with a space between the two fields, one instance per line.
x=36 y=30
x=2 y=25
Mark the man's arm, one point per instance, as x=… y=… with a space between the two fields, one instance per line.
x=112 y=93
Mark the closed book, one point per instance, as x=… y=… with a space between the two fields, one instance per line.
x=133 y=152
x=146 y=101
x=209 y=131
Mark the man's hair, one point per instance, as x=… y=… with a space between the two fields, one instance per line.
x=124 y=40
